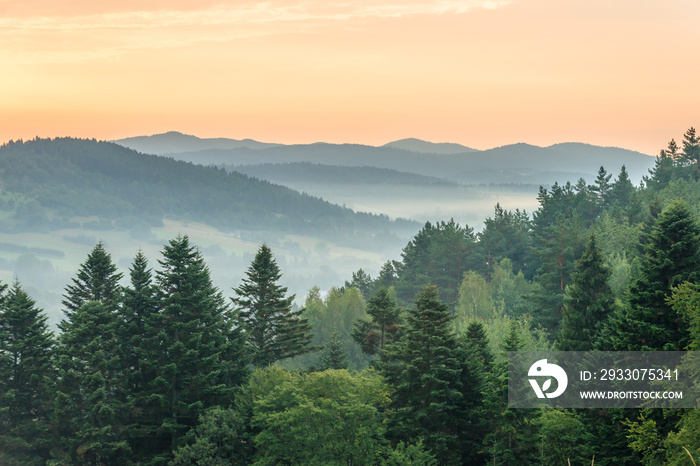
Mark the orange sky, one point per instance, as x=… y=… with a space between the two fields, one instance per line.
x=478 y=72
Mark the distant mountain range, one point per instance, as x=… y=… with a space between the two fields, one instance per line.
x=516 y=163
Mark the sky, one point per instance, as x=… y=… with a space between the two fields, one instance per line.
x=482 y=73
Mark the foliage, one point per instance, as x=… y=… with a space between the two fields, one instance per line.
x=672 y=257
x=27 y=378
x=588 y=301
x=383 y=326
x=436 y=386
x=333 y=356
x=272 y=329
x=329 y=417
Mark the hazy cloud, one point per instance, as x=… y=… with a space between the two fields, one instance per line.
x=252 y=13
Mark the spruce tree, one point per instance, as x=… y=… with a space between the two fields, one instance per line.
x=139 y=325
x=89 y=400
x=27 y=377
x=426 y=368
x=512 y=437
x=272 y=329
x=588 y=301
x=201 y=356
x=671 y=258
x=334 y=357
x=90 y=393
x=96 y=280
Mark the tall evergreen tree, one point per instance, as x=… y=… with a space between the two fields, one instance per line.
x=273 y=330
x=560 y=234
x=512 y=437
x=507 y=235
x=27 y=377
x=588 y=301
x=671 y=258
x=691 y=148
x=138 y=327
x=382 y=329
x=333 y=356
x=90 y=392
x=89 y=400
x=363 y=282
x=602 y=187
x=202 y=355
x=438 y=255
x=96 y=280
x=427 y=368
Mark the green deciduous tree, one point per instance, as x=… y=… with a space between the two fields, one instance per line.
x=273 y=330
x=331 y=417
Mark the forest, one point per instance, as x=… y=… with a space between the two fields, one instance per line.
x=153 y=366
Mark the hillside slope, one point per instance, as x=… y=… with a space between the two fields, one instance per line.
x=49 y=182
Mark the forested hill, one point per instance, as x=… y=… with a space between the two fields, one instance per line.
x=299 y=172
x=51 y=181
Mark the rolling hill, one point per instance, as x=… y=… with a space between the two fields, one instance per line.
x=515 y=163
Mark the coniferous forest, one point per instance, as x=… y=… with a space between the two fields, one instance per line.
x=154 y=365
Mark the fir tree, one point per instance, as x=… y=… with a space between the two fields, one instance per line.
x=202 y=357
x=425 y=366
x=90 y=394
x=272 y=329
x=588 y=301
x=334 y=357
x=476 y=337
x=139 y=325
x=375 y=334
x=97 y=280
x=27 y=377
x=512 y=437
x=671 y=258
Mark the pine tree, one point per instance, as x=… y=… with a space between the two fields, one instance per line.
x=27 y=378
x=202 y=356
x=382 y=329
x=588 y=301
x=425 y=366
x=602 y=187
x=671 y=259
x=691 y=148
x=272 y=329
x=362 y=281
